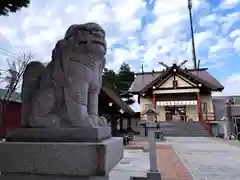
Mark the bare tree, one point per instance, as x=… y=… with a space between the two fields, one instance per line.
x=16 y=68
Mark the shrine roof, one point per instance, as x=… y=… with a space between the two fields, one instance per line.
x=143 y=80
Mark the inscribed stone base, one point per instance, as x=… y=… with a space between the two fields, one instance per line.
x=6 y=176
x=78 y=134
x=62 y=159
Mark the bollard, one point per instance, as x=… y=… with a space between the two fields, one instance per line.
x=153 y=173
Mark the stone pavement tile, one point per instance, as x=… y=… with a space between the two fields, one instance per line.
x=170 y=165
x=138 y=145
x=231 y=142
x=208 y=158
x=140 y=138
x=134 y=163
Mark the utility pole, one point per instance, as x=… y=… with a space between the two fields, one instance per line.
x=192 y=35
x=142 y=71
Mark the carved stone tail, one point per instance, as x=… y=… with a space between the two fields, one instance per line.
x=31 y=82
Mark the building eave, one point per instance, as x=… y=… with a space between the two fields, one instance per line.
x=186 y=73
x=117 y=100
x=152 y=83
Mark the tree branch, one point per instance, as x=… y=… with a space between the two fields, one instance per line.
x=15 y=73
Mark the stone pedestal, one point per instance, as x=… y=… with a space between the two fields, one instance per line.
x=48 y=177
x=142 y=128
x=154 y=173
x=224 y=126
x=225 y=131
x=59 y=160
x=159 y=136
x=59 y=134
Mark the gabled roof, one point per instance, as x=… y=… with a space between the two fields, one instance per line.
x=117 y=100
x=149 y=110
x=144 y=81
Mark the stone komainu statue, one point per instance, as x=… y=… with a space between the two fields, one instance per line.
x=65 y=92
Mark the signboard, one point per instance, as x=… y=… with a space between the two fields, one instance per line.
x=176 y=103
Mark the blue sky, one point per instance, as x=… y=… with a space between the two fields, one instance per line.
x=138 y=32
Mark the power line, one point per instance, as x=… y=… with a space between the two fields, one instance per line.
x=8 y=53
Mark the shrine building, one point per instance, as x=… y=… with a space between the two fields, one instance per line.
x=177 y=94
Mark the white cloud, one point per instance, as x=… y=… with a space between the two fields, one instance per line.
x=169 y=36
x=120 y=55
x=236 y=44
x=166 y=38
x=222 y=43
x=235 y=33
x=70 y=9
x=42 y=27
x=202 y=37
x=208 y=21
x=231 y=84
x=6 y=31
x=228 y=21
x=228 y=4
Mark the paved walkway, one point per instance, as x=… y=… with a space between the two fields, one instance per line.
x=208 y=158
x=184 y=158
x=170 y=165
x=135 y=163
x=168 y=162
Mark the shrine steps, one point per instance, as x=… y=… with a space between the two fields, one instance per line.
x=183 y=129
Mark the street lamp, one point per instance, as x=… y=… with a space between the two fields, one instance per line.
x=121 y=111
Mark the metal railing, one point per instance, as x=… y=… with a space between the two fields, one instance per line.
x=205 y=119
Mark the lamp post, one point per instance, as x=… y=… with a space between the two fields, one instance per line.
x=153 y=173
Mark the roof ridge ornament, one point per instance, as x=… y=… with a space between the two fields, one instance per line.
x=174 y=64
x=163 y=64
